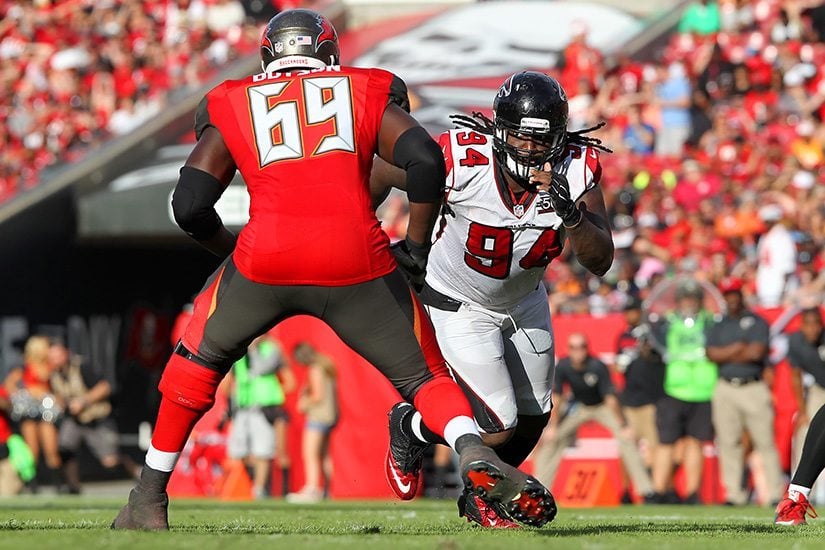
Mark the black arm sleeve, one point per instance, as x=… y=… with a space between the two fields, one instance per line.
x=193 y=203
x=418 y=154
x=398 y=93
x=202 y=121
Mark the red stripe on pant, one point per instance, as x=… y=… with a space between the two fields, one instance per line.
x=204 y=305
x=425 y=334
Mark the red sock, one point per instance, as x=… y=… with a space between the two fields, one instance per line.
x=439 y=401
x=188 y=392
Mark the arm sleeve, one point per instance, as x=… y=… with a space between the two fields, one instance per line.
x=202 y=121
x=417 y=153
x=398 y=93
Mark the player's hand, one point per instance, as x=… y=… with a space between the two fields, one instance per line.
x=557 y=186
x=412 y=260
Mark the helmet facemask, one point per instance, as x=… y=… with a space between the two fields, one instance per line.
x=518 y=162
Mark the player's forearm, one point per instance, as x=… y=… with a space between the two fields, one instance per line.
x=221 y=244
x=592 y=244
x=421 y=221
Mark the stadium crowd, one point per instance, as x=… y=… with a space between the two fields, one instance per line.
x=77 y=72
x=718 y=156
x=717 y=169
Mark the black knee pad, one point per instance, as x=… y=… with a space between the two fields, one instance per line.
x=526 y=436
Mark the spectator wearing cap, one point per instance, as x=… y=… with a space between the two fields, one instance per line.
x=690 y=377
x=806 y=354
x=594 y=395
x=738 y=344
x=776 y=257
x=644 y=376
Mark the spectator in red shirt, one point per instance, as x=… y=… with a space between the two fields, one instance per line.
x=579 y=60
x=695 y=186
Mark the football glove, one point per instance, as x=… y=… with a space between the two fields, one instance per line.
x=564 y=206
x=412 y=260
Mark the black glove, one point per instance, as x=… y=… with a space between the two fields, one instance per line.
x=412 y=260
x=564 y=206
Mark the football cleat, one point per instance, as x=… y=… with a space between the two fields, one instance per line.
x=793 y=512
x=144 y=512
x=404 y=455
x=521 y=497
x=491 y=516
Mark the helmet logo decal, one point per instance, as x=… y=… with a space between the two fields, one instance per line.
x=278 y=47
x=506 y=88
x=266 y=43
x=528 y=123
x=562 y=95
x=327 y=32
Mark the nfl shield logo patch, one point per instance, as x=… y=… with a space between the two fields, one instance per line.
x=518 y=210
x=278 y=47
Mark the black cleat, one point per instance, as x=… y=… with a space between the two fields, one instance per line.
x=404 y=455
x=521 y=497
x=144 y=512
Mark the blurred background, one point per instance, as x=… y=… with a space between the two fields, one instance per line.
x=714 y=111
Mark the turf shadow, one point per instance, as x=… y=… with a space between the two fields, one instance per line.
x=681 y=528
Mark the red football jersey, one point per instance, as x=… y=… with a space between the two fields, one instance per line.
x=304 y=143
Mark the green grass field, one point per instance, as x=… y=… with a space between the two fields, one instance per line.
x=78 y=523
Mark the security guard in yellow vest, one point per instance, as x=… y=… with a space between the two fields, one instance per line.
x=256 y=397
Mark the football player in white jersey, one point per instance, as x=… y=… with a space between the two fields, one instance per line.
x=517 y=187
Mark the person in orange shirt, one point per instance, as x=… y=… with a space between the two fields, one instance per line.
x=807 y=148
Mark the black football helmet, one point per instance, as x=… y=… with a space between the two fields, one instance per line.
x=298 y=39
x=529 y=105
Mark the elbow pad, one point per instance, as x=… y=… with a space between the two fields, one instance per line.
x=193 y=203
x=419 y=154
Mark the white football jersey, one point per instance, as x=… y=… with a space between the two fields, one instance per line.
x=489 y=249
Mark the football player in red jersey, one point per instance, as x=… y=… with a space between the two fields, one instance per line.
x=303 y=134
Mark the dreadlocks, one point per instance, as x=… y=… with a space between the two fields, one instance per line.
x=478 y=122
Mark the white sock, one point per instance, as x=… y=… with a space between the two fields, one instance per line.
x=161 y=461
x=458 y=426
x=416 y=426
x=795 y=490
